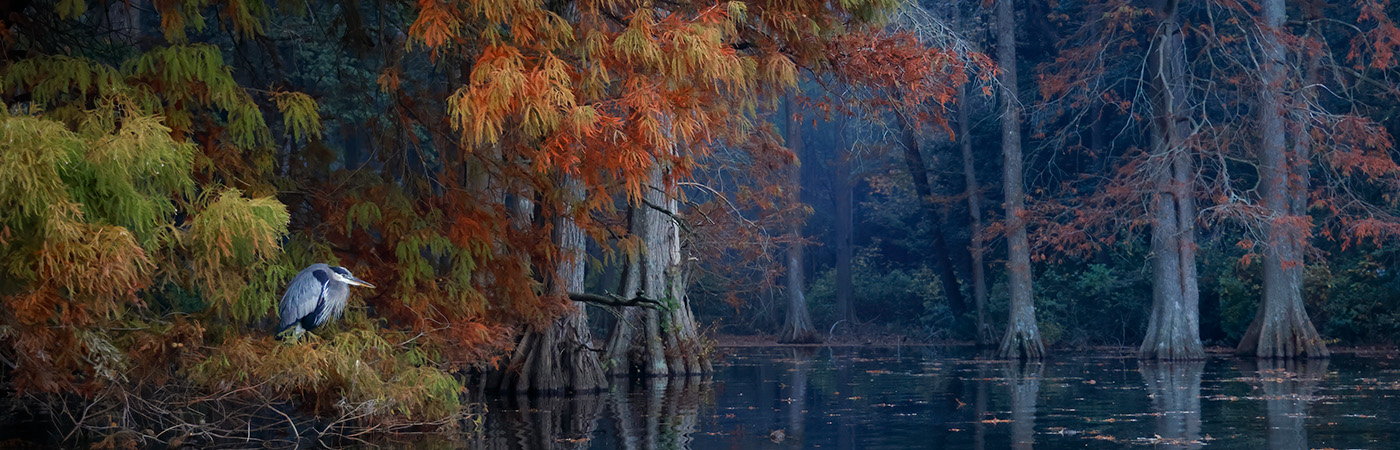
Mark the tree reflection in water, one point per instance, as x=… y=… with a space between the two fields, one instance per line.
x=797 y=395
x=658 y=413
x=1288 y=387
x=843 y=398
x=1024 y=379
x=1175 y=390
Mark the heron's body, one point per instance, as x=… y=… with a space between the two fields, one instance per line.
x=316 y=296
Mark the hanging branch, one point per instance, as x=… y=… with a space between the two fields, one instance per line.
x=614 y=300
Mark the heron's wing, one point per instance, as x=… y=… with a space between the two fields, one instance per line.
x=303 y=295
x=332 y=303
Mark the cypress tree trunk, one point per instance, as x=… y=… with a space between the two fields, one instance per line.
x=797 y=327
x=983 y=332
x=1281 y=328
x=1173 y=332
x=1022 y=337
x=654 y=342
x=939 y=254
x=557 y=358
x=618 y=357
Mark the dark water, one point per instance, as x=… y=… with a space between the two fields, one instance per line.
x=867 y=398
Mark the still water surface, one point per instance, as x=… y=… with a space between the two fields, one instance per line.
x=886 y=398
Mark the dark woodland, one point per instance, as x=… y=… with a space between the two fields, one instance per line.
x=563 y=199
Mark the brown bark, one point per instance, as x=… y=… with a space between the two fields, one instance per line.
x=665 y=341
x=1281 y=327
x=558 y=358
x=1175 y=389
x=618 y=355
x=939 y=254
x=1022 y=339
x=797 y=326
x=1173 y=331
x=983 y=333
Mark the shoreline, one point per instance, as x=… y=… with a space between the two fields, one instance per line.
x=890 y=341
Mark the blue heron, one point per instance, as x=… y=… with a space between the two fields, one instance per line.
x=316 y=296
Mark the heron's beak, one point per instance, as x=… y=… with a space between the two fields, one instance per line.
x=359 y=282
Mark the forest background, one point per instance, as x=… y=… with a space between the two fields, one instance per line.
x=1014 y=175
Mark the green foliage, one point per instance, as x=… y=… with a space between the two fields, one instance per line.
x=1358 y=298
x=1237 y=292
x=904 y=297
x=235 y=237
x=1093 y=304
x=60 y=184
x=195 y=74
x=299 y=114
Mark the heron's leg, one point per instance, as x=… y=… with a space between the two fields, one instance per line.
x=291 y=335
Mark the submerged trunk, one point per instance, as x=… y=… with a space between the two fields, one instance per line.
x=1173 y=331
x=665 y=341
x=797 y=327
x=1281 y=327
x=1022 y=339
x=1175 y=389
x=983 y=332
x=558 y=358
x=939 y=255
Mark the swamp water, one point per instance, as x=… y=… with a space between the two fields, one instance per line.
x=932 y=397
x=925 y=397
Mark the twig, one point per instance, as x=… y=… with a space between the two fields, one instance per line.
x=615 y=300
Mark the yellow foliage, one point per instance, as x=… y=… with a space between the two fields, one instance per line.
x=361 y=369
x=299 y=114
x=233 y=236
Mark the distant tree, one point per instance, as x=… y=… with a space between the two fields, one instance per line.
x=1022 y=338
x=907 y=90
x=839 y=173
x=797 y=325
x=983 y=335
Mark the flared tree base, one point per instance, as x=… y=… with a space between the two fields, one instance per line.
x=1022 y=343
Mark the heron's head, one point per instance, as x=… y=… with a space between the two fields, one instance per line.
x=344 y=275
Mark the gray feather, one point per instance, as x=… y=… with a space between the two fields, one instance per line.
x=303 y=294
